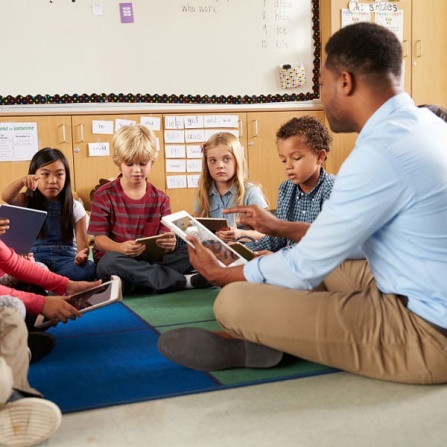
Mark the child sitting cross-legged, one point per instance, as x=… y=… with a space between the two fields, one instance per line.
x=129 y=208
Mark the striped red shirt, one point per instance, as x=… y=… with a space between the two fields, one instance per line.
x=121 y=218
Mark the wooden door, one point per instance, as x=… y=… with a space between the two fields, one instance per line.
x=265 y=167
x=429 y=52
x=52 y=131
x=89 y=169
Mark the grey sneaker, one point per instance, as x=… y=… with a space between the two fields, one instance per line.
x=28 y=421
x=204 y=350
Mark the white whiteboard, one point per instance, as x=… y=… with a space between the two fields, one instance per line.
x=174 y=47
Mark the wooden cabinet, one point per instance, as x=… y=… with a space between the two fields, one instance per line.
x=424 y=46
x=264 y=165
x=429 y=52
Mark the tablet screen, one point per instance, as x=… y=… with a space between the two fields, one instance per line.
x=92 y=297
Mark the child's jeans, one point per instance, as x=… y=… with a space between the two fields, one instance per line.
x=60 y=259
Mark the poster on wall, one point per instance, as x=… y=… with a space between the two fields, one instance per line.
x=18 y=141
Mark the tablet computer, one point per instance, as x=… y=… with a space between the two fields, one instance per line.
x=242 y=250
x=152 y=252
x=214 y=223
x=24 y=227
x=182 y=224
x=91 y=299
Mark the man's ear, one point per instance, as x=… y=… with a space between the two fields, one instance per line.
x=347 y=81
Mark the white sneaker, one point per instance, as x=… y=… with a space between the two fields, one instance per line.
x=28 y=421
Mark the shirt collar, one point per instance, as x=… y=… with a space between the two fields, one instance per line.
x=386 y=109
x=214 y=190
x=323 y=175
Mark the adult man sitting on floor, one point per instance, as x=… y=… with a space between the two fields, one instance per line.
x=385 y=317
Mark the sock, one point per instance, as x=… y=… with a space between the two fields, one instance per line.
x=188 y=282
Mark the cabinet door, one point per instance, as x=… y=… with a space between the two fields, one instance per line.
x=89 y=169
x=52 y=131
x=265 y=167
x=183 y=198
x=429 y=52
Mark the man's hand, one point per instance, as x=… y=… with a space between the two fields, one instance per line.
x=265 y=222
x=204 y=261
x=256 y=217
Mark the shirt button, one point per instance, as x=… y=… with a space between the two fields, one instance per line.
x=304 y=212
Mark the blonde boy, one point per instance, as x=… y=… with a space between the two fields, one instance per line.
x=130 y=207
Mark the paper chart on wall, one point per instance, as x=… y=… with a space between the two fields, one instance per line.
x=193 y=181
x=174 y=122
x=18 y=141
x=176 y=181
x=193 y=151
x=120 y=123
x=194 y=165
x=175 y=151
x=151 y=122
x=98 y=149
x=394 y=21
x=175 y=165
x=349 y=18
x=102 y=127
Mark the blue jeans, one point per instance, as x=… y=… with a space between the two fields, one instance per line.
x=60 y=259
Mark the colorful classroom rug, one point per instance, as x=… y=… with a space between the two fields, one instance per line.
x=110 y=356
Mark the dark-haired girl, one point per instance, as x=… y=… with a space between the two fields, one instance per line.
x=62 y=244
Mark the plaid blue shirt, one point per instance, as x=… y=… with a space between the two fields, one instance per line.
x=293 y=205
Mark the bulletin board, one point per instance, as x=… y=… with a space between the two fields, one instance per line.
x=169 y=51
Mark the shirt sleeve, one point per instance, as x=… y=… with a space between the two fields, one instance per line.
x=346 y=221
x=99 y=224
x=78 y=210
x=29 y=272
x=254 y=196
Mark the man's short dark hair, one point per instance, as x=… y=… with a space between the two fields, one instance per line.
x=364 y=49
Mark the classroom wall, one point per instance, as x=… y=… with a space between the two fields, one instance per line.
x=173 y=47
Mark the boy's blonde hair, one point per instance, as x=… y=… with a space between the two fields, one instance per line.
x=233 y=145
x=134 y=142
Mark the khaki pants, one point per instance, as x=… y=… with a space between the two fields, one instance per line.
x=345 y=323
x=14 y=348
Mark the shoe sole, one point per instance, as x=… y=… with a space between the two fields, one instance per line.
x=28 y=421
x=203 y=350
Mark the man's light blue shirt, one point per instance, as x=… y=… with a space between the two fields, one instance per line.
x=390 y=198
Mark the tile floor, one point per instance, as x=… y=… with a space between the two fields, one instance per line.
x=338 y=409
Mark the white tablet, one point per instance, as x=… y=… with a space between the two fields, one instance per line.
x=182 y=223
x=91 y=299
x=24 y=227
